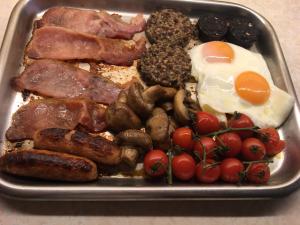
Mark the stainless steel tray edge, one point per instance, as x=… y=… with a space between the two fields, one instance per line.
x=138 y=192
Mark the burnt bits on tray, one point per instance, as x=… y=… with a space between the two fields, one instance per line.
x=170 y=26
x=212 y=27
x=164 y=64
x=242 y=32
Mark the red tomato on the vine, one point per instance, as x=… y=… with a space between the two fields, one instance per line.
x=231 y=170
x=230 y=144
x=240 y=120
x=208 y=172
x=258 y=173
x=156 y=163
x=183 y=137
x=269 y=136
x=206 y=123
x=205 y=143
x=183 y=166
x=253 y=149
x=276 y=149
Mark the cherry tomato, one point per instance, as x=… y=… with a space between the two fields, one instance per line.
x=156 y=163
x=269 y=136
x=210 y=174
x=231 y=170
x=183 y=166
x=276 y=149
x=230 y=144
x=258 y=173
x=240 y=120
x=209 y=145
x=206 y=122
x=253 y=149
x=183 y=137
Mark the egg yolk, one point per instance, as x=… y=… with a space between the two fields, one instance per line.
x=217 y=52
x=252 y=87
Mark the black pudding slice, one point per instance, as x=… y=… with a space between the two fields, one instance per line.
x=242 y=32
x=170 y=26
x=212 y=27
x=164 y=64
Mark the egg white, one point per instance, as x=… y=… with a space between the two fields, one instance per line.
x=215 y=89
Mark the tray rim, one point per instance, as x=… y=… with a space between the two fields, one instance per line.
x=63 y=193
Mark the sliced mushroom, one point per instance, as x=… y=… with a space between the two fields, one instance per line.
x=167 y=106
x=157 y=92
x=119 y=117
x=129 y=156
x=143 y=101
x=191 y=104
x=135 y=138
x=180 y=111
x=136 y=101
x=157 y=126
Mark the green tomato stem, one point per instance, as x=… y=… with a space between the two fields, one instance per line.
x=229 y=129
x=170 y=174
x=258 y=161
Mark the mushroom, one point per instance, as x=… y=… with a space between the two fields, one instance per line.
x=133 y=144
x=180 y=111
x=119 y=116
x=158 y=126
x=157 y=92
x=191 y=104
x=136 y=139
x=167 y=106
x=136 y=102
x=129 y=156
x=143 y=101
x=122 y=97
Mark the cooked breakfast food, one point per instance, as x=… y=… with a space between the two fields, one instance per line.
x=239 y=153
x=160 y=127
x=169 y=26
x=101 y=23
x=119 y=116
x=142 y=101
x=212 y=27
x=242 y=31
x=231 y=78
x=237 y=30
x=135 y=139
x=229 y=109
x=60 y=113
x=95 y=148
x=48 y=165
x=52 y=78
x=60 y=43
x=166 y=65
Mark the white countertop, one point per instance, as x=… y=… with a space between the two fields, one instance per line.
x=285 y=17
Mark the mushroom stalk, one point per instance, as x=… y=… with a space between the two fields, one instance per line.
x=180 y=111
x=158 y=126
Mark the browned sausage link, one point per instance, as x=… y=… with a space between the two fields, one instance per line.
x=78 y=143
x=48 y=165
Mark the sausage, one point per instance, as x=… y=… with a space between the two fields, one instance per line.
x=48 y=165
x=95 y=148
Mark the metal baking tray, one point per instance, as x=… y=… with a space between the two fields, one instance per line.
x=285 y=170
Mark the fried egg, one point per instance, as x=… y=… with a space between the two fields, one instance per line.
x=231 y=78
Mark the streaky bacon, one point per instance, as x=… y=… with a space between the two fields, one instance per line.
x=92 y=22
x=59 y=43
x=55 y=113
x=58 y=79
